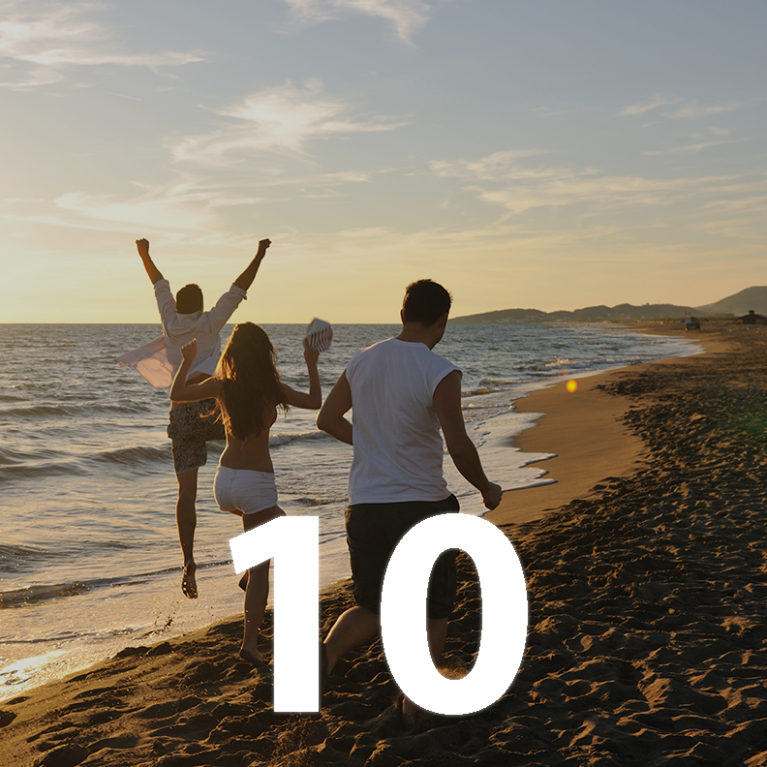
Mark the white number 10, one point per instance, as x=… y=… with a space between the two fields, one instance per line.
x=294 y=544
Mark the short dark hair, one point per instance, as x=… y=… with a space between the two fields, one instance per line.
x=425 y=302
x=189 y=299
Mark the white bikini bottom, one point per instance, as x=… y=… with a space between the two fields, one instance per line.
x=244 y=489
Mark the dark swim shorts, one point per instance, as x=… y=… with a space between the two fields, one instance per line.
x=189 y=431
x=373 y=530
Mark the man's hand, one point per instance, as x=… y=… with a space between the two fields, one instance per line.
x=492 y=496
x=447 y=403
x=245 y=280
x=189 y=351
x=155 y=275
x=262 y=246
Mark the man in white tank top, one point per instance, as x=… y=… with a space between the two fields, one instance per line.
x=402 y=394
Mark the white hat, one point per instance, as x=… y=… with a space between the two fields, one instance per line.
x=319 y=334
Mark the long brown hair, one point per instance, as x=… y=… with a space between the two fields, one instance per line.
x=250 y=381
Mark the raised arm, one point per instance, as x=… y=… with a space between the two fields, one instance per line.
x=332 y=415
x=180 y=391
x=313 y=399
x=447 y=402
x=245 y=280
x=143 y=250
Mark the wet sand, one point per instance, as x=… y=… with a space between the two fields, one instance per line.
x=587 y=432
x=647 y=584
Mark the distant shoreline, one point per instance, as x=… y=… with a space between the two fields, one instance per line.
x=730 y=308
x=582 y=316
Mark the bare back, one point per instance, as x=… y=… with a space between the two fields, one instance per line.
x=253 y=451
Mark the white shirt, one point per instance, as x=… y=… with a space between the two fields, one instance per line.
x=398 y=447
x=159 y=360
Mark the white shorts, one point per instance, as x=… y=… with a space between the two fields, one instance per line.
x=244 y=489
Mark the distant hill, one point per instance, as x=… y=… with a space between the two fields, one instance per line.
x=589 y=314
x=739 y=304
x=751 y=298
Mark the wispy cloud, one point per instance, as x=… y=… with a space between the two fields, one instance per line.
x=281 y=118
x=604 y=191
x=39 y=41
x=750 y=204
x=545 y=112
x=659 y=100
x=499 y=165
x=732 y=229
x=176 y=211
x=694 y=109
x=503 y=179
x=717 y=131
x=406 y=16
x=366 y=233
x=190 y=208
x=689 y=148
x=177 y=208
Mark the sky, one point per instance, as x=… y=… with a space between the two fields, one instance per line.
x=526 y=154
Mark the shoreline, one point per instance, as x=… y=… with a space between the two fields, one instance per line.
x=647 y=621
x=584 y=431
x=50 y=660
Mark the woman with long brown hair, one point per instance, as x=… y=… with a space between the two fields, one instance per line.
x=249 y=392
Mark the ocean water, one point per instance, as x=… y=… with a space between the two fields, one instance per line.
x=89 y=555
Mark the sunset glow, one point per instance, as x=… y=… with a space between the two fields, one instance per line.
x=549 y=156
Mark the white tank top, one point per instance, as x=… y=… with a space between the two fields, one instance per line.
x=398 y=447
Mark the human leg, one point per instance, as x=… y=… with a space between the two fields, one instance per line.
x=256 y=591
x=436 y=633
x=189 y=432
x=368 y=555
x=353 y=628
x=440 y=599
x=186 y=522
x=373 y=531
x=252 y=494
x=359 y=625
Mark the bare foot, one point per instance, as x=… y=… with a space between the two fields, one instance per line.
x=188 y=581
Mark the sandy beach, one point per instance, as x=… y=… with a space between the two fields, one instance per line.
x=647 y=584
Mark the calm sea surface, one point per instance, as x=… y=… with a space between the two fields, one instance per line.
x=89 y=557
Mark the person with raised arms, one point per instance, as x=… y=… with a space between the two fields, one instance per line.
x=182 y=320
